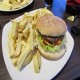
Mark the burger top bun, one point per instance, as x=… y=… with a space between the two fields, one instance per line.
x=51 y=25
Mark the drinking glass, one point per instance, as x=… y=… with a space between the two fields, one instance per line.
x=59 y=7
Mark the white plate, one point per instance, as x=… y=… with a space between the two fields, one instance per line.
x=18 y=8
x=48 y=70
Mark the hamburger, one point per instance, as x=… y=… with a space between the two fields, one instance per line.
x=51 y=36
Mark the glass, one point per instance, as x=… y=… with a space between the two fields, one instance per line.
x=59 y=7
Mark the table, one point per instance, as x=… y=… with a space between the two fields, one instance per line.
x=70 y=71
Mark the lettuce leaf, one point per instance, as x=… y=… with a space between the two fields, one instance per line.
x=49 y=47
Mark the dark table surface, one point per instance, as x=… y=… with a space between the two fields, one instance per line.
x=70 y=71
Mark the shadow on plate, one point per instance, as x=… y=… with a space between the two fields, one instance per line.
x=22 y=68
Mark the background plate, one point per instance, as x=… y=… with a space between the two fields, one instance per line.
x=18 y=8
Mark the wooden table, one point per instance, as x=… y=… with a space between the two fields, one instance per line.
x=70 y=71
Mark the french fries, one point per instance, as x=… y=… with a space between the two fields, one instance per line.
x=26 y=30
x=16 y=5
x=28 y=59
x=22 y=24
x=42 y=12
x=23 y=41
x=14 y=61
x=15 y=29
x=11 y=1
x=11 y=47
x=19 y=1
x=37 y=62
x=23 y=56
x=31 y=39
x=5 y=1
x=39 y=59
x=18 y=45
x=13 y=4
x=5 y=6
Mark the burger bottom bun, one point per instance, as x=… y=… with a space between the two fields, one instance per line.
x=52 y=56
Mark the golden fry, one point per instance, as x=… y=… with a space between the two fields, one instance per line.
x=26 y=31
x=39 y=58
x=5 y=1
x=42 y=12
x=19 y=1
x=11 y=47
x=18 y=46
x=28 y=59
x=10 y=35
x=16 y=5
x=36 y=63
x=46 y=11
x=23 y=56
x=23 y=43
x=15 y=29
x=11 y=1
x=5 y=6
x=31 y=39
x=14 y=61
x=27 y=15
x=22 y=24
